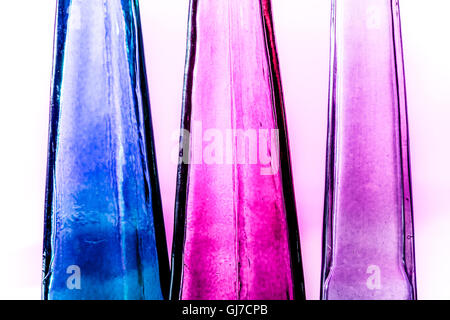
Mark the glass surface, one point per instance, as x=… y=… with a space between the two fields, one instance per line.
x=368 y=232
x=236 y=234
x=104 y=232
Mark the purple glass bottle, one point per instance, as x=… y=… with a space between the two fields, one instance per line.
x=236 y=234
x=368 y=228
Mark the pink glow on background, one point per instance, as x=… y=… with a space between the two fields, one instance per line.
x=302 y=26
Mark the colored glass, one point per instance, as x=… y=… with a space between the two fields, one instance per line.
x=104 y=229
x=236 y=234
x=368 y=230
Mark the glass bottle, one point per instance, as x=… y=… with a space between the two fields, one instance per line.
x=104 y=230
x=236 y=233
x=368 y=229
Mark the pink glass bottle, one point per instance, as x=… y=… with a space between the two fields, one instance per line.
x=236 y=234
x=368 y=228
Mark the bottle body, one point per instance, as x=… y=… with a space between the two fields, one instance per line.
x=368 y=229
x=236 y=234
x=104 y=234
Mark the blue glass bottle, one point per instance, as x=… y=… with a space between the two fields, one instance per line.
x=104 y=231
